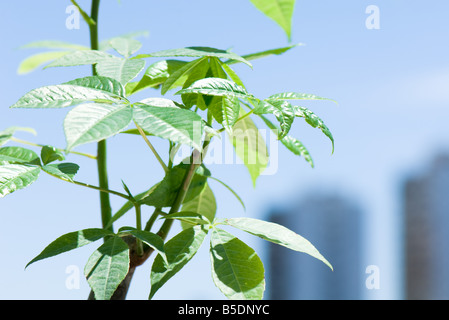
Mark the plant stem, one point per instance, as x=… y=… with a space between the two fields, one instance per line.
x=152 y=219
x=195 y=161
x=144 y=136
x=105 y=202
x=139 y=247
x=62 y=150
x=119 y=194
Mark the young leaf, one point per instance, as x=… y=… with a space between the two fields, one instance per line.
x=105 y=84
x=281 y=11
x=197 y=52
x=179 y=251
x=283 y=111
x=122 y=70
x=71 y=241
x=81 y=57
x=180 y=76
x=14 y=177
x=250 y=146
x=18 y=155
x=95 y=122
x=314 y=121
x=50 y=154
x=125 y=46
x=66 y=171
x=107 y=267
x=236 y=269
x=203 y=204
x=174 y=124
x=217 y=87
x=278 y=234
x=61 y=96
x=35 y=61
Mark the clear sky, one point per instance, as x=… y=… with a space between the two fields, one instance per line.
x=391 y=84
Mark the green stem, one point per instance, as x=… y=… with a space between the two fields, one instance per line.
x=152 y=219
x=119 y=194
x=195 y=161
x=62 y=150
x=144 y=136
x=105 y=202
x=139 y=246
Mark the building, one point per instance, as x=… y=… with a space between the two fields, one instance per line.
x=426 y=217
x=333 y=224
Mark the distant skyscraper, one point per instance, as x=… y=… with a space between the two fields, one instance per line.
x=426 y=214
x=333 y=224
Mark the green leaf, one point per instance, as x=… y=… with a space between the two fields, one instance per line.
x=180 y=76
x=107 y=267
x=250 y=146
x=35 y=61
x=122 y=70
x=7 y=134
x=217 y=87
x=18 y=155
x=277 y=234
x=203 y=204
x=53 y=44
x=232 y=75
x=200 y=71
x=292 y=144
x=297 y=96
x=236 y=269
x=296 y=146
x=14 y=177
x=94 y=122
x=71 y=241
x=314 y=121
x=157 y=73
x=283 y=111
x=226 y=111
x=66 y=171
x=265 y=53
x=196 y=52
x=125 y=46
x=179 y=251
x=151 y=239
x=81 y=57
x=50 y=154
x=61 y=96
x=105 y=84
x=177 y=125
x=106 y=44
x=166 y=191
x=281 y=11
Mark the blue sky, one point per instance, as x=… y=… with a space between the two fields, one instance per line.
x=391 y=86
